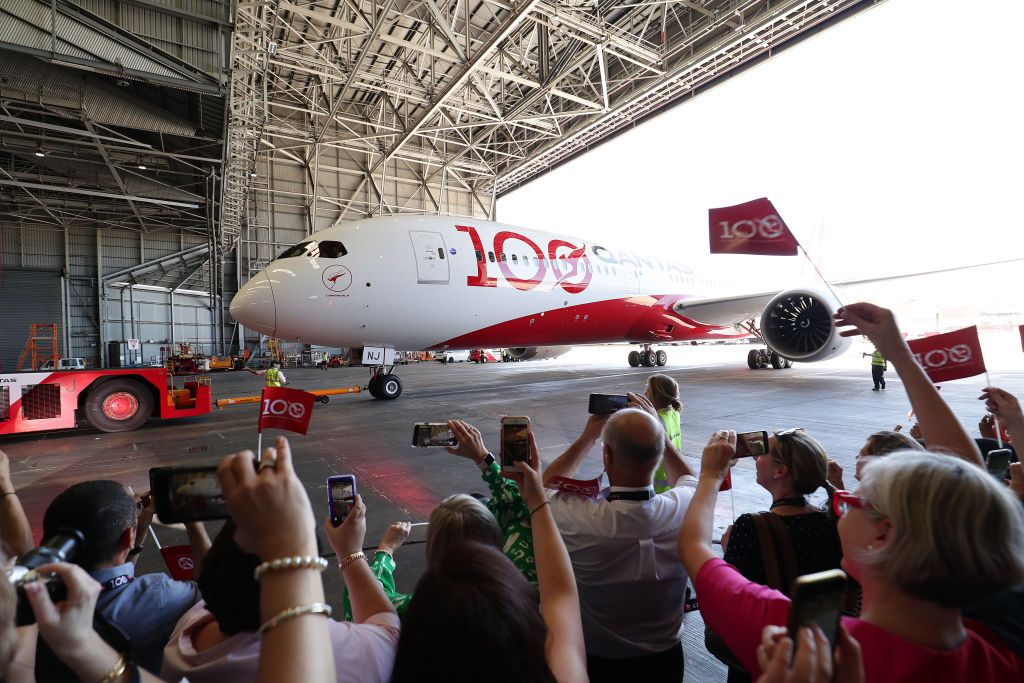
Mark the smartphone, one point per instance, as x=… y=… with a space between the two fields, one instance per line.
x=997 y=462
x=515 y=441
x=751 y=444
x=606 y=404
x=187 y=494
x=341 y=496
x=426 y=434
x=817 y=599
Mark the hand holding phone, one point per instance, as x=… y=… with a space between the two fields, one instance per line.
x=515 y=441
x=817 y=600
x=341 y=496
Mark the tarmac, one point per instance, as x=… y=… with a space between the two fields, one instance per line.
x=355 y=434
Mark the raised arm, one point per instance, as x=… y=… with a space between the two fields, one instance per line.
x=15 y=531
x=559 y=598
x=695 y=535
x=568 y=462
x=275 y=521
x=365 y=592
x=675 y=465
x=939 y=426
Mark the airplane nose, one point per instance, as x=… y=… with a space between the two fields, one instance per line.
x=254 y=305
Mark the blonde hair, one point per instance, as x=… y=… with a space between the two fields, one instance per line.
x=957 y=535
x=460 y=518
x=886 y=441
x=804 y=457
x=664 y=389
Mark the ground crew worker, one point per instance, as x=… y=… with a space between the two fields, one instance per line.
x=878 y=367
x=663 y=393
x=272 y=376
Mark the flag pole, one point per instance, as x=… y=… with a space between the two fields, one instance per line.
x=259 y=426
x=817 y=270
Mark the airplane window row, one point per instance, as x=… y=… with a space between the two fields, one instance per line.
x=316 y=249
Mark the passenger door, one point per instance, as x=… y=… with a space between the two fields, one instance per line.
x=431 y=258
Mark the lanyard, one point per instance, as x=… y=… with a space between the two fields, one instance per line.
x=116 y=582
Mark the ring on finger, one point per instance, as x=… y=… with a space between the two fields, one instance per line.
x=267 y=464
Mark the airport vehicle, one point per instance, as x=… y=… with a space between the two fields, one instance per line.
x=113 y=400
x=458 y=356
x=377 y=283
x=65 y=364
x=483 y=356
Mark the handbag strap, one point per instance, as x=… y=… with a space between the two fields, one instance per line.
x=777 y=551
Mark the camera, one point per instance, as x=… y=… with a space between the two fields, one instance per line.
x=60 y=546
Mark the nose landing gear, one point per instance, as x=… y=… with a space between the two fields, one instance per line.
x=647 y=357
x=383 y=385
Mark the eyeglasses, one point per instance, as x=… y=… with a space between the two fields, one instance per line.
x=788 y=432
x=842 y=501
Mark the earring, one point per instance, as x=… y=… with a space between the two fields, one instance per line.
x=871 y=547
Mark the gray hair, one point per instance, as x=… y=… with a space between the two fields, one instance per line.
x=886 y=441
x=636 y=435
x=957 y=536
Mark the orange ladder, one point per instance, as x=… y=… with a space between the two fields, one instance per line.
x=40 y=347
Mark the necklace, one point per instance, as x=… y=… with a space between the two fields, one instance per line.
x=796 y=502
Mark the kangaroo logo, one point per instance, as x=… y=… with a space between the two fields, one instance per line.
x=337 y=278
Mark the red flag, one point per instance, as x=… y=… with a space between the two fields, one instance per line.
x=950 y=356
x=179 y=562
x=285 y=409
x=750 y=228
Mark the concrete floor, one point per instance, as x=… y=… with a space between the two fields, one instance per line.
x=371 y=439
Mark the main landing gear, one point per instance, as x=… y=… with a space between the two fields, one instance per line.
x=647 y=357
x=762 y=358
x=383 y=384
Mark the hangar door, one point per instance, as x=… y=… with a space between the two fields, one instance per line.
x=26 y=297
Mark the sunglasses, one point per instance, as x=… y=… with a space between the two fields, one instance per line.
x=788 y=432
x=842 y=501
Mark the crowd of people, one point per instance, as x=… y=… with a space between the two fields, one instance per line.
x=552 y=579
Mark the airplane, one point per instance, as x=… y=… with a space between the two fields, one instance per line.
x=446 y=283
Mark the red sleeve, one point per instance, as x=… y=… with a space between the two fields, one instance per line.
x=737 y=609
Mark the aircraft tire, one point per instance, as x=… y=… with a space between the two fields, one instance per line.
x=777 y=361
x=753 y=362
x=661 y=358
x=650 y=359
x=374 y=386
x=634 y=359
x=389 y=387
x=788 y=364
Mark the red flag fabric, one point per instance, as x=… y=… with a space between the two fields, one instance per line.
x=754 y=227
x=285 y=408
x=179 y=562
x=950 y=356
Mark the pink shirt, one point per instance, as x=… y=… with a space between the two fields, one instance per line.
x=738 y=609
x=363 y=653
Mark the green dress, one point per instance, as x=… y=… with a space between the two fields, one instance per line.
x=513 y=517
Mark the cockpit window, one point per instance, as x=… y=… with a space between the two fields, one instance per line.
x=316 y=249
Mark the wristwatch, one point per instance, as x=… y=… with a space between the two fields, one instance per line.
x=486 y=462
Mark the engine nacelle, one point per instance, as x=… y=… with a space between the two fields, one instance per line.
x=798 y=325
x=538 y=352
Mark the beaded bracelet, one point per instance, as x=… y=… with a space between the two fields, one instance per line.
x=291 y=613
x=352 y=558
x=296 y=562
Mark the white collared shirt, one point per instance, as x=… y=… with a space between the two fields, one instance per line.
x=630 y=579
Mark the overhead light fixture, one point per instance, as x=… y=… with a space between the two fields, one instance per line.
x=252 y=174
x=40 y=152
x=142 y=166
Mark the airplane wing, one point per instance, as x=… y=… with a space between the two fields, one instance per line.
x=725 y=311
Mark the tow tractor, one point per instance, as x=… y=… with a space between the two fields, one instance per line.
x=113 y=400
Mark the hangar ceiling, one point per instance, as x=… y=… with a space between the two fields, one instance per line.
x=440 y=106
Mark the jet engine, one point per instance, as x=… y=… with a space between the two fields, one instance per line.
x=798 y=325
x=537 y=352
